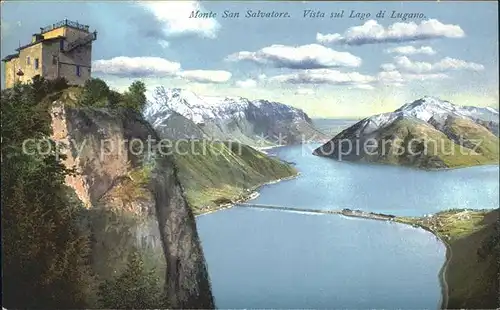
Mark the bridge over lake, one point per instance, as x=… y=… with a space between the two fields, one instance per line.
x=272 y=207
x=345 y=212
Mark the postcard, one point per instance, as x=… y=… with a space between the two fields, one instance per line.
x=250 y=155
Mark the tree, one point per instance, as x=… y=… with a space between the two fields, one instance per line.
x=135 y=97
x=135 y=288
x=44 y=251
x=95 y=93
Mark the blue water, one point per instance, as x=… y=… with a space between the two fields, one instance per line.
x=261 y=258
x=328 y=184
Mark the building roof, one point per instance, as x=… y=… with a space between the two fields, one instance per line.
x=39 y=41
x=11 y=56
x=65 y=23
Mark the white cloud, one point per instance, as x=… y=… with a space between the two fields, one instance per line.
x=248 y=83
x=324 y=76
x=174 y=16
x=372 y=32
x=156 y=67
x=362 y=86
x=411 y=50
x=136 y=66
x=396 y=78
x=312 y=56
x=304 y=91
x=388 y=67
x=262 y=77
x=164 y=43
x=403 y=63
x=206 y=76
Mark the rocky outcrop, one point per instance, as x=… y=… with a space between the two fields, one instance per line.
x=133 y=194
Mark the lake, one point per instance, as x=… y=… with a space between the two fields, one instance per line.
x=260 y=258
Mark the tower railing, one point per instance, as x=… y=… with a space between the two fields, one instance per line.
x=63 y=23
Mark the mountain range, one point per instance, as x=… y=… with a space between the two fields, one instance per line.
x=181 y=114
x=426 y=133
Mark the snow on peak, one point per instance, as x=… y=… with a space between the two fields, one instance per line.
x=490 y=109
x=200 y=108
x=425 y=109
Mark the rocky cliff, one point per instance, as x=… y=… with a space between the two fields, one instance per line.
x=135 y=199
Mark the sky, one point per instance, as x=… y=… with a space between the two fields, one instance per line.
x=349 y=66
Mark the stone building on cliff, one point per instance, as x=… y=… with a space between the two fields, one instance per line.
x=63 y=49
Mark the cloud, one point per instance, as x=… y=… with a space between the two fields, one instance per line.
x=324 y=76
x=398 y=79
x=156 y=67
x=136 y=66
x=362 y=86
x=312 y=56
x=248 y=83
x=411 y=50
x=304 y=91
x=372 y=32
x=173 y=16
x=403 y=63
x=206 y=76
x=164 y=43
x=262 y=77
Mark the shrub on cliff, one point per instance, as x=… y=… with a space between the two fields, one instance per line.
x=95 y=93
x=44 y=253
x=135 y=97
x=135 y=288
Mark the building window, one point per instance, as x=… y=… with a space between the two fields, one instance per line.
x=61 y=45
x=36 y=63
x=28 y=60
x=54 y=59
x=78 y=73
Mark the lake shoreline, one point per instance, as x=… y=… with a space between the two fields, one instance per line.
x=425 y=169
x=449 y=254
x=368 y=216
x=446 y=271
x=253 y=193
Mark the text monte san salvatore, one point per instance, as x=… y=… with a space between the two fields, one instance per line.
x=232 y=14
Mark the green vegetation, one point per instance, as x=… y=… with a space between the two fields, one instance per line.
x=96 y=93
x=135 y=288
x=473 y=239
x=47 y=244
x=58 y=254
x=437 y=150
x=479 y=138
x=45 y=252
x=220 y=172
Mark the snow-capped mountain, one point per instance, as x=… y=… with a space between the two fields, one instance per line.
x=194 y=107
x=238 y=118
x=424 y=110
x=485 y=114
x=425 y=118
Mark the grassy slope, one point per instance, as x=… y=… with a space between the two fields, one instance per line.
x=487 y=143
x=219 y=172
x=440 y=149
x=472 y=273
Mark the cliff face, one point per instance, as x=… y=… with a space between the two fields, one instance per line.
x=134 y=199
